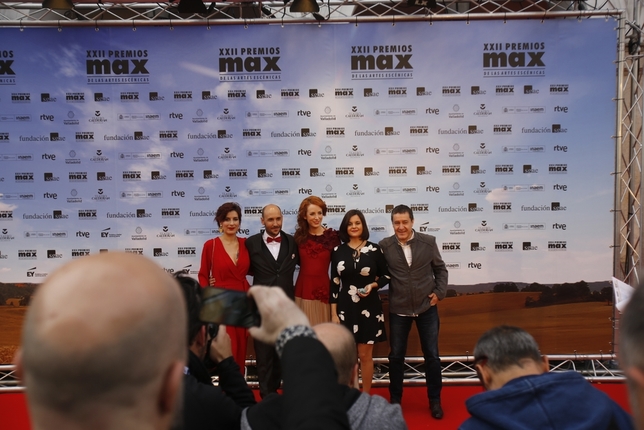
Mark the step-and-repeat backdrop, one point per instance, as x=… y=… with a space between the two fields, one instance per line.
x=498 y=136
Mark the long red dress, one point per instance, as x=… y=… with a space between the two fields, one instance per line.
x=312 y=285
x=216 y=262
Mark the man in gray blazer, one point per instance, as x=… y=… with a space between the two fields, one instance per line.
x=418 y=282
x=273 y=257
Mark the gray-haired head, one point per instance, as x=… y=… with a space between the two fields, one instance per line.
x=505 y=346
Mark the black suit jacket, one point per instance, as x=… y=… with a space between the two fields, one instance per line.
x=268 y=271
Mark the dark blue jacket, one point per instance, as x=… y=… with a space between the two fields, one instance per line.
x=554 y=400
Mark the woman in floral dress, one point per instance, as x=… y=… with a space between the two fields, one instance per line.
x=358 y=269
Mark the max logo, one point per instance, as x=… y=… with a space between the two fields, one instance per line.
x=248 y=64
x=381 y=62
x=513 y=59
x=5 y=67
x=116 y=67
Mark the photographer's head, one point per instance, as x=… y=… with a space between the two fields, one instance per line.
x=192 y=293
x=200 y=334
x=631 y=352
x=102 y=345
x=340 y=343
x=504 y=353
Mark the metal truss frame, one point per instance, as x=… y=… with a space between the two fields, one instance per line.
x=456 y=370
x=249 y=12
x=628 y=242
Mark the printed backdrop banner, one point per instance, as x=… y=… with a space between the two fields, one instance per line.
x=498 y=136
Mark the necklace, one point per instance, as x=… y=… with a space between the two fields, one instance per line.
x=356 y=251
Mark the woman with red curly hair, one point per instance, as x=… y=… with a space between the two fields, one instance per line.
x=224 y=264
x=315 y=243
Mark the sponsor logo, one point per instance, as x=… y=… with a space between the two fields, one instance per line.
x=422 y=170
x=108 y=233
x=335 y=132
x=291 y=173
x=343 y=93
x=559 y=89
x=369 y=92
x=207 y=95
x=476 y=246
x=261 y=94
x=503 y=246
x=502 y=207
x=475 y=169
x=451 y=247
x=187 y=251
x=117 y=66
x=314 y=172
x=155 y=97
x=87 y=214
x=450 y=170
x=528 y=89
x=184 y=175
x=290 y=93
x=477 y=91
x=252 y=133
x=557 y=245
x=528 y=246
x=259 y=63
x=504 y=90
x=484 y=228
x=20 y=97
x=528 y=168
x=237 y=173
x=397 y=170
x=344 y=172
x=27 y=254
x=208 y=174
x=513 y=59
x=419 y=131
x=369 y=62
x=397 y=91
x=451 y=91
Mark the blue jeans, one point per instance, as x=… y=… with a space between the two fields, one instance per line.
x=427 y=324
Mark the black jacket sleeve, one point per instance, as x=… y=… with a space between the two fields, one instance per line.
x=312 y=395
x=206 y=406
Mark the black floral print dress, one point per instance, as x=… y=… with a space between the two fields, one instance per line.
x=350 y=271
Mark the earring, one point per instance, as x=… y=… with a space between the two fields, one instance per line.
x=221 y=229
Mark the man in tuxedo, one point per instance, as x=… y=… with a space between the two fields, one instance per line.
x=273 y=257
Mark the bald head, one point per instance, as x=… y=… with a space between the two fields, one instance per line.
x=340 y=343
x=100 y=338
x=272 y=219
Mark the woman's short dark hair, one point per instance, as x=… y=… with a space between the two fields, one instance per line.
x=223 y=210
x=342 y=232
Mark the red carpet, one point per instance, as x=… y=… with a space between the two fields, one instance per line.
x=416 y=407
x=13 y=412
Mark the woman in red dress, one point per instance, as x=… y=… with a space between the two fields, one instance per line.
x=224 y=264
x=315 y=243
